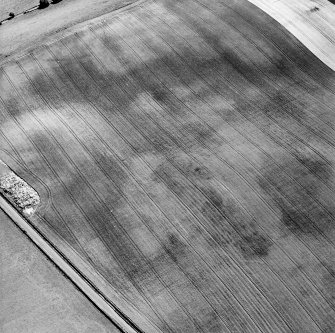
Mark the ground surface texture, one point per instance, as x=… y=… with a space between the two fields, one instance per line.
x=183 y=152
x=35 y=297
x=312 y=22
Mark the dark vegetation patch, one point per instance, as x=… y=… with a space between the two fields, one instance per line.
x=159 y=94
x=221 y=212
x=196 y=172
x=255 y=244
x=175 y=247
x=201 y=172
x=300 y=212
x=252 y=241
x=212 y=323
x=199 y=131
x=314 y=9
x=216 y=200
x=328 y=281
x=281 y=107
x=317 y=167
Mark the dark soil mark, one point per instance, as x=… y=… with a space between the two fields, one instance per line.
x=317 y=167
x=300 y=212
x=314 y=9
x=255 y=244
x=200 y=172
x=282 y=107
x=175 y=247
x=216 y=200
x=252 y=242
x=200 y=131
x=222 y=213
x=159 y=94
x=296 y=221
x=329 y=283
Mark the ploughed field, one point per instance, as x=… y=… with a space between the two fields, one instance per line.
x=184 y=156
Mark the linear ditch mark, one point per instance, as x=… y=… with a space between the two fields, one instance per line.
x=112 y=312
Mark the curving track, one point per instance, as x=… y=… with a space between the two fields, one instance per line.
x=184 y=152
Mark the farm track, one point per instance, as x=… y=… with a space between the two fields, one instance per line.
x=185 y=159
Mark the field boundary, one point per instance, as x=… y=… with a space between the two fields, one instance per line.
x=55 y=36
x=84 y=285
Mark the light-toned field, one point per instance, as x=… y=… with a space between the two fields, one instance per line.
x=15 y=6
x=184 y=156
x=312 y=22
x=39 y=26
x=35 y=297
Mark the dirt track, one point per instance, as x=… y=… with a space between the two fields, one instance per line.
x=184 y=154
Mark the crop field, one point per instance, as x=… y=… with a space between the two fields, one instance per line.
x=183 y=152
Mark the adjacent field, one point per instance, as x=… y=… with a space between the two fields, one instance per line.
x=184 y=156
x=311 y=22
x=35 y=297
x=15 y=6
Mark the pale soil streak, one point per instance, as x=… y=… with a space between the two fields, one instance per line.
x=315 y=28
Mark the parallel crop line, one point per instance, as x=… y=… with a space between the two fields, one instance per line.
x=101 y=168
x=275 y=140
x=324 y=266
x=100 y=200
x=111 y=101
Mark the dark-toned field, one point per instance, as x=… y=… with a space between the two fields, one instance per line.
x=184 y=155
